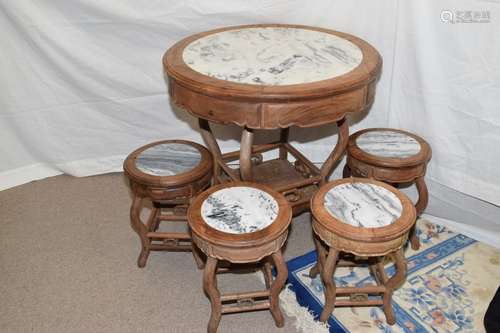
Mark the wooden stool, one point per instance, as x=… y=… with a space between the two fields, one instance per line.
x=241 y=222
x=392 y=156
x=170 y=173
x=365 y=218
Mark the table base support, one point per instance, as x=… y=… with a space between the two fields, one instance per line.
x=292 y=174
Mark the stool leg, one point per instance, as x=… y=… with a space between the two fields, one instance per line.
x=423 y=195
x=210 y=287
x=154 y=221
x=320 y=262
x=327 y=277
x=346 y=172
x=378 y=271
x=141 y=230
x=197 y=256
x=374 y=272
x=395 y=280
x=276 y=288
x=423 y=199
x=415 y=243
x=381 y=271
x=267 y=271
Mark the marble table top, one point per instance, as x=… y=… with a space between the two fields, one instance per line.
x=272 y=55
x=239 y=210
x=168 y=159
x=388 y=144
x=363 y=205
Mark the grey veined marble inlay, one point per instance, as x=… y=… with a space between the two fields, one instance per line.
x=388 y=144
x=272 y=55
x=239 y=210
x=363 y=205
x=168 y=159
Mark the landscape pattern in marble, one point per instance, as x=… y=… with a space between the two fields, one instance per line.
x=272 y=55
x=168 y=159
x=363 y=205
x=388 y=144
x=239 y=210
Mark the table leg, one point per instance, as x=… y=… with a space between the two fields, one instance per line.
x=338 y=151
x=346 y=173
x=246 y=154
x=213 y=146
x=283 y=139
x=208 y=137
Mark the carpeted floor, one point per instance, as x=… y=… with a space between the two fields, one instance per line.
x=68 y=264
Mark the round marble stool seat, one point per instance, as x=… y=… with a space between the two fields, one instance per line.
x=392 y=156
x=169 y=173
x=366 y=220
x=241 y=222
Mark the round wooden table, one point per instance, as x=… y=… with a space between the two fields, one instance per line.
x=273 y=77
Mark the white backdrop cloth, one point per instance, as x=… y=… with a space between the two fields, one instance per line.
x=82 y=83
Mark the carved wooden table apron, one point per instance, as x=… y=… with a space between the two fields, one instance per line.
x=273 y=77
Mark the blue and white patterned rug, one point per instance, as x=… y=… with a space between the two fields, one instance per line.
x=450 y=282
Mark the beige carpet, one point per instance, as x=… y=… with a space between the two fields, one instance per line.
x=68 y=264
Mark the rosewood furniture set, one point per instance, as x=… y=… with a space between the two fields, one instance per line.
x=273 y=77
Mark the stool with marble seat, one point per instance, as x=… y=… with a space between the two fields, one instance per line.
x=392 y=156
x=169 y=173
x=241 y=223
x=366 y=220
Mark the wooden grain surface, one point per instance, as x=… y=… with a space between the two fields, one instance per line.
x=266 y=106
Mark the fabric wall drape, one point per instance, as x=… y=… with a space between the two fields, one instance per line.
x=82 y=83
